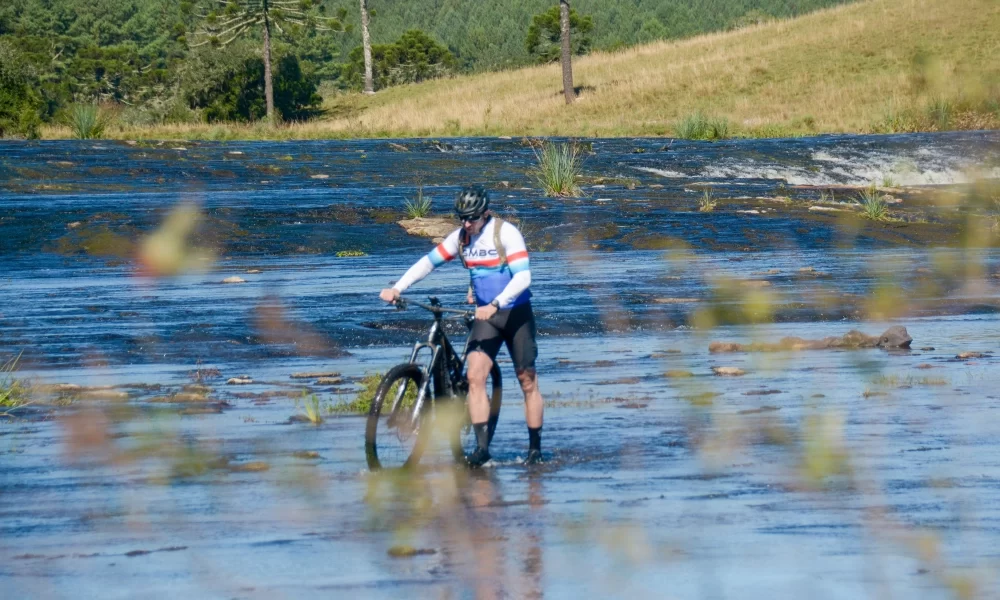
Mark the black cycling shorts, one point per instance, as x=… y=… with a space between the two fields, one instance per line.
x=513 y=326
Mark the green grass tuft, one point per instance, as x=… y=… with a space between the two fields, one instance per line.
x=420 y=207
x=558 y=169
x=363 y=401
x=706 y=203
x=940 y=113
x=312 y=409
x=13 y=391
x=698 y=126
x=88 y=121
x=873 y=204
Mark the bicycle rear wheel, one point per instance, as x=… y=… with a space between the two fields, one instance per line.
x=463 y=438
x=394 y=436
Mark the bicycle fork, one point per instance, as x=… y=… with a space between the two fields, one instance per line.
x=424 y=391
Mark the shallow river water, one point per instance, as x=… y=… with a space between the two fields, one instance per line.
x=840 y=474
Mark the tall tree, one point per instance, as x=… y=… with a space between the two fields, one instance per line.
x=230 y=19
x=366 y=43
x=567 y=52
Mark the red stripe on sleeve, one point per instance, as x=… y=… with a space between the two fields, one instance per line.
x=444 y=253
x=517 y=256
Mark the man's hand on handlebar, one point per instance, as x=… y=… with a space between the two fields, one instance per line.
x=390 y=295
x=483 y=313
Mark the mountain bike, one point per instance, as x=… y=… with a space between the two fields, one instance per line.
x=415 y=396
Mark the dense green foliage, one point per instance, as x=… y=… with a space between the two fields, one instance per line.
x=138 y=53
x=413 y=57
x=19 y=102
x=545 y=35
x=229 y=86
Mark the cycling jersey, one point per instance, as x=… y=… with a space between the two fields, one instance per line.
x=507 y=283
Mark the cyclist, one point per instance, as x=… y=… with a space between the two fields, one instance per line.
x=497 y=260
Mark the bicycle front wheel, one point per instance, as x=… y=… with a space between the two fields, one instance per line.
x=396 y=436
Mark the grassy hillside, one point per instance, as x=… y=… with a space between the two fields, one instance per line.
x=878 y=65
x=491 y=35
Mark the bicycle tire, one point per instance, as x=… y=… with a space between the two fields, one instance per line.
x=380 y=452
x=463 y=440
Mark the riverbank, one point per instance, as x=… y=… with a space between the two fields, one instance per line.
x=879 y=66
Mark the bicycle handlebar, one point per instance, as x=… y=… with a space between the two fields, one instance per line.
x=401 y=304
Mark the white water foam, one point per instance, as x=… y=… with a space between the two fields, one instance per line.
x=662 y=172
x=920 y=166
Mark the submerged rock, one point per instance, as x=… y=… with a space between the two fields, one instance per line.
x=678 y=374
x=894 y=337
x=407 y=551
x=729 y=371
x=314 y=375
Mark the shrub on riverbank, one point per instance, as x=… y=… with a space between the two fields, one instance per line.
x=88 y=121
x=698 y=126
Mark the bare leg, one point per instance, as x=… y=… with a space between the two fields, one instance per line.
x=533 y=408
x=479 y=403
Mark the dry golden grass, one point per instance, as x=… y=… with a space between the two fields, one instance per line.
x=877 y=65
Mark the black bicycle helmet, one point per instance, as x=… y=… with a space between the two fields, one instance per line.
x=472 y=202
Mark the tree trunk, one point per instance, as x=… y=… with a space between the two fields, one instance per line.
x=567 y=52
x=366 y=42
x=268 y=86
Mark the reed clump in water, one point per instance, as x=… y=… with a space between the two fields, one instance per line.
x=707 y=202
x=14 y=392
x=873 y=204
x=558 y=169
x=419 y=207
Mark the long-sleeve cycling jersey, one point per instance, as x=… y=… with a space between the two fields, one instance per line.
x=507 y=284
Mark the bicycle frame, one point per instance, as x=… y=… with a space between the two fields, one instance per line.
x=447 y=377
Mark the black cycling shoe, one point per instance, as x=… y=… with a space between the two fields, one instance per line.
x=478 y=458
x=534 y=458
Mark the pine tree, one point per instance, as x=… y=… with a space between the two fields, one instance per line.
x=228 y=20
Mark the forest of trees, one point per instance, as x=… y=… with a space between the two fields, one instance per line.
x=141 y=54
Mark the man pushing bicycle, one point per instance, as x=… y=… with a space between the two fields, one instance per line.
x=495 y=254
